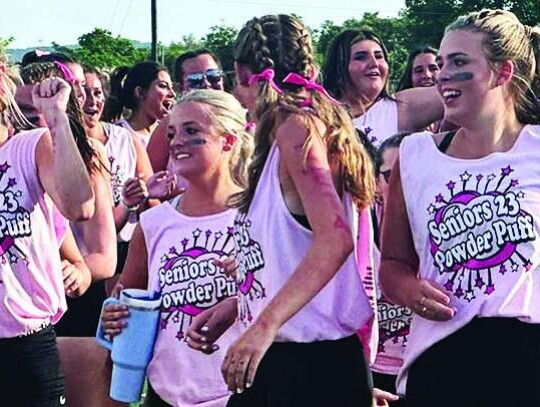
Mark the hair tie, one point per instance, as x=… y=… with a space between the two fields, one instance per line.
x=68 y=76
x=267 y=76
x=39 y=53
x=250 y=126
x=309 y=84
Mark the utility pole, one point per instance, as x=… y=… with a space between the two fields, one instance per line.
x=153 y=54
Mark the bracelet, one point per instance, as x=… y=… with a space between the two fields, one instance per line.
x=133 y=208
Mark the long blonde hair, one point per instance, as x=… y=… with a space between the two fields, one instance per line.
x=228 y=117
x=506 y=38
x=282 y=43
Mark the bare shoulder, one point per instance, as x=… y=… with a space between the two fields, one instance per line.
x=297 y=128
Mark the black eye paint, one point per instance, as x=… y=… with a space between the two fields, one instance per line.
x=195 y=142
x=458 y=77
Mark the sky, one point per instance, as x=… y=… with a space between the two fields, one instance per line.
x=63 y=21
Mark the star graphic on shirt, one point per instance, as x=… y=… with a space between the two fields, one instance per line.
x=218 y=235
x=164 y=258
x=506 y=171
x=367 y=130
x=469 y=296
x=230 y=230
x=373 y=139
x=465 y=176
x=432 y=209
x=208 y=233
x=491 y=177
x=515 y=268
x=4 y=167
x=479 y=177
x=180 y=335
x=502 y=269
x=459 y=292
x=439 y=198
x=18 y=194
x=528 y=265
x=197 y=232
x=172 y=250
x=521 y=194
x=451 y=185
x=163 y=324
x=449 y=285
x=111 y=159
x=479 y=282
x=514 y=182
x=12 y=182
x=13 y=259
x=175 y=318
x=185 y=242
x=490 y=288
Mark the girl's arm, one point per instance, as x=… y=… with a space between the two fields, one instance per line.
x=158 y=147
x=76 y=274
x=398 y=272
x=98 y=233
x=60 y=167
x=418 y=108
x=135 y=275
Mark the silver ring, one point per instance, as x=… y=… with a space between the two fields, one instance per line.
x=424 y=309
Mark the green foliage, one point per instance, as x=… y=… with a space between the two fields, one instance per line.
x=220 y=40
x=100 y=49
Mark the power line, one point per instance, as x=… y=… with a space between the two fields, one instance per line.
x=113 y=14
x=125 y=17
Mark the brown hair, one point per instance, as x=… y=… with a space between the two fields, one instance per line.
x=282 y=43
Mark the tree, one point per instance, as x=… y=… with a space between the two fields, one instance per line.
x=101 y=49
x=220 y=40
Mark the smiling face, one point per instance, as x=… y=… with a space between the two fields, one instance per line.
x=471 y=94
x=78 y=81
x=199 y=66
x=95 y=100
x=424 y=70
x=368 y=70
x=196 y=147
x=158 y=99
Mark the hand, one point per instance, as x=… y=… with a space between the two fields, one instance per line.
x=73 y=278
x=429 y=300
x=209 y=325
x=134 y=192
x=161 y=185
x=243 y=357
x=113 y=319
x=381 y=398
x=228 y=264
x=51 y=94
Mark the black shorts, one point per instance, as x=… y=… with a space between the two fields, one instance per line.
x=490 y=362
x=30 y=372
x=318 y=374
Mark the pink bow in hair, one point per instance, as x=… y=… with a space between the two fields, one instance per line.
x=308 y=84
x=68 y=76
x=267 y=76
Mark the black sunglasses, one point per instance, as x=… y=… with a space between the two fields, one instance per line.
x=386 y=175
x=196 y=79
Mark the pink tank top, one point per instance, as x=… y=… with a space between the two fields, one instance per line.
x=270 y=245
x=181 y=251
x=31 y=286
x=475 y=228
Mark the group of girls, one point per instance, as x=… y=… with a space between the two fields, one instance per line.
x=261 y=269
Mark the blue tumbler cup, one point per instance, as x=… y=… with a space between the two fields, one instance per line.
x=132 y=349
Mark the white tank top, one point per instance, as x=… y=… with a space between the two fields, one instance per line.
x=379 y=122
x=270 y=245
x=475 y=229
x=122 y=158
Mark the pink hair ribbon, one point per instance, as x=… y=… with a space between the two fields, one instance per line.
x=68 y=76
x=308 y=84
x=267 y=76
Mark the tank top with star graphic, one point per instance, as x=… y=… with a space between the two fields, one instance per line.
x=122 y=158
x=31 y=286
x=379 y=122
x=270 y=245
x=475 y=228
x=181 y=251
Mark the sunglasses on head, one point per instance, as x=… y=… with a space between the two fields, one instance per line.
x=196 y=79
x=386 y=175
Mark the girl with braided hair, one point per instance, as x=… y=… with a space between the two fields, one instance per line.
x=460 y=245
x=300 y=294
